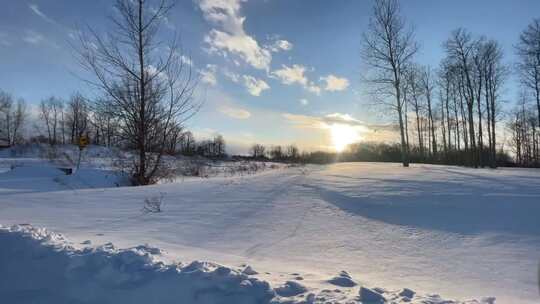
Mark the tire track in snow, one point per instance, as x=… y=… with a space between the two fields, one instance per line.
x=288 y=187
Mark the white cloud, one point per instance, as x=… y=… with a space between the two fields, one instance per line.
x=255 y=86
x=208 y=75
x=296 y=74
x=153 y=72
x=342 y=119
x=236 y=113
x=329 y=120
x=334 y=83
x=186 y=60
x=304 y=102
x=231 y=36
x=280 y=45
x=314 y=89
x=33 y=37
x=291 y=75
x=231 y=75
x=35 y=8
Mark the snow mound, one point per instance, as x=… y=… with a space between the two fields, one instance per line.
x=342 y=280
x=249 y=271
x=45 y=178
x=407 y=293
x=94 y=178
x=39 y=266
x=38 y=262
x=290 y=289
x=370 y=296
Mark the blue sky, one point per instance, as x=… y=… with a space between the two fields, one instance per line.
x=274 y=71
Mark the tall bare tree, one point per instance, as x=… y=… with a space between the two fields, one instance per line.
x=388 y=48
x=145 y=80
x=428 y=87
x=415 y=93
x=461 y=48
x=528 y=50
x=494 y=76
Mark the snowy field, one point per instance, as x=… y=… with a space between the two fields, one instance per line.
x=455 y=232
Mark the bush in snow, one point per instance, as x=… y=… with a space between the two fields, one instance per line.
x=153 y=204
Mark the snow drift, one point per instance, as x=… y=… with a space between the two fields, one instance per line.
x=39 y=266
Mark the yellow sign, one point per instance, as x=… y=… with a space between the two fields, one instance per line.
x=83 y=142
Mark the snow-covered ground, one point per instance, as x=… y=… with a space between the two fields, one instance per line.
x=461 y=233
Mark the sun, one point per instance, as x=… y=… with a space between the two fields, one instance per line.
x=342 y=136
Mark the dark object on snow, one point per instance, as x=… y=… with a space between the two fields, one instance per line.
x=290 y=289
x=369 y=296
x=407 y=293
x=67 y=171
x=343 y=280
x=4 y=144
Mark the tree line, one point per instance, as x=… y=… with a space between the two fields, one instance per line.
x=61 y=122
x=451 y=114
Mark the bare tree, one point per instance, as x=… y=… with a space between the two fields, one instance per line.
x=187 y=143
x=276 y=152
x=495 y=74
x=292 y=152
x=6 y=102
x=428 y=87
x=151 y=94
x=51 y=112
x=388 y=48
x=106 y=125
x=445 y=93
x=77 y=117
x=528 y=50
x=12 y=118
x=524 y=136
x=219 y=143
x=258 y=151
x=415 y=92
x=460 y=48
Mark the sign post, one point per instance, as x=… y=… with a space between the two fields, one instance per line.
x=83 y=142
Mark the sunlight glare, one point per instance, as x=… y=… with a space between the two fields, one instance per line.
x=342 y=136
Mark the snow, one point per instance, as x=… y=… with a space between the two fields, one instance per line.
x=462 y=233
x=38 y=262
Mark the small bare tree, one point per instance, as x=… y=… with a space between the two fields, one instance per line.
x=6 y=101
x=51 y=112
x=258 y=151
x=12 y=118
x=150 y=93
x=77 y=113
x=388 y=48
